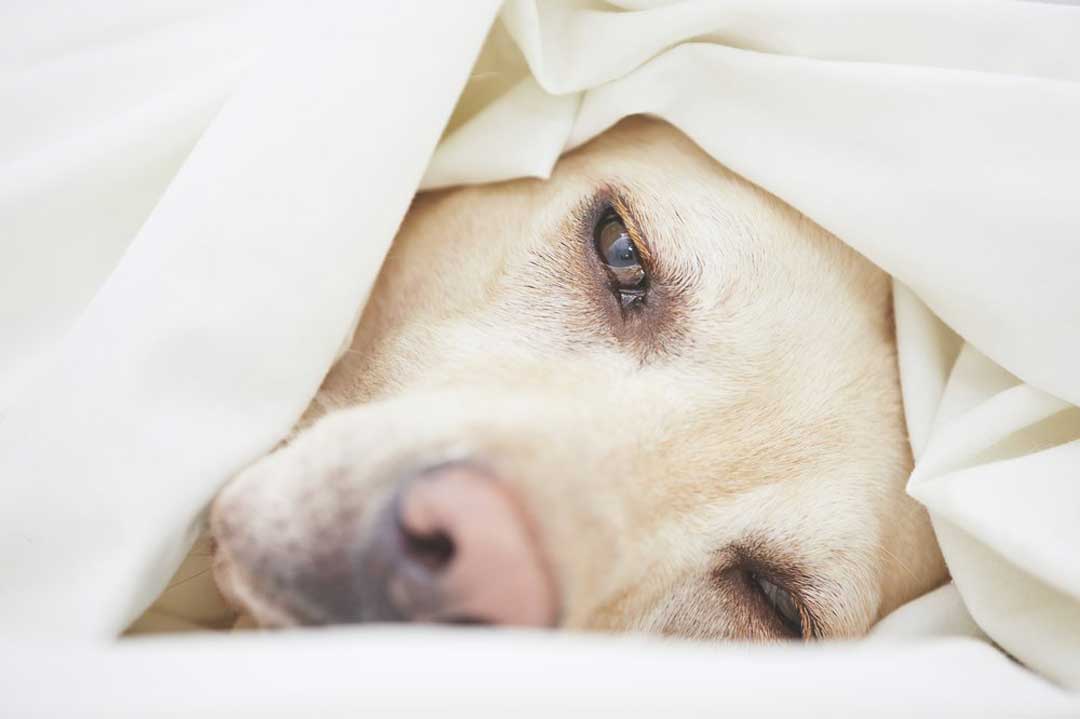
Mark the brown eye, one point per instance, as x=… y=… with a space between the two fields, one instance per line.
x=781 y=602
x=620 y=256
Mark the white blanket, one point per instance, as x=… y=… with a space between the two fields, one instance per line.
x=195 y=198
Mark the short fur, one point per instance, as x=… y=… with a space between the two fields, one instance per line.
x=747 y=418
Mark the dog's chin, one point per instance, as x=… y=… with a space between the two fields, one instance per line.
x=253 y=608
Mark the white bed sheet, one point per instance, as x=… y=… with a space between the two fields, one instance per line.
x=448 y=673
x=191 y=191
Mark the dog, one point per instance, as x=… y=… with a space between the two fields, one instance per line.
x=641 y=395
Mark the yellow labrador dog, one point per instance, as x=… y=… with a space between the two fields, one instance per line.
x=642 y=395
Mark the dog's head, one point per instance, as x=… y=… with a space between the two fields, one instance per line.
x=643 y=394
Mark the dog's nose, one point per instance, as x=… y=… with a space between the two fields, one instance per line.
x=451 y=546
x=465 y=553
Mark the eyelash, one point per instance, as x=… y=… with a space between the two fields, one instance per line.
x=747 y=567
x=805 y=628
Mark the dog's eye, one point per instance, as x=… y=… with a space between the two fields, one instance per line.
x=784 y=605
x=621 y=258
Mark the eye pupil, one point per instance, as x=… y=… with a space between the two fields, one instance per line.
x=621 y=252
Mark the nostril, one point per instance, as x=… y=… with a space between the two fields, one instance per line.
x=449 y=545
x=434 y=550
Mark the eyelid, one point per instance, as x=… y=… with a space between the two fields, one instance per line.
x=805 y=629
x=784 y=581
x=622 y=208
x=782 y=571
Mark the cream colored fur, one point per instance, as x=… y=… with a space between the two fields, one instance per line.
x=756 y=410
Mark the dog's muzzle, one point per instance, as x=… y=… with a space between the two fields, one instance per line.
x=449 y=545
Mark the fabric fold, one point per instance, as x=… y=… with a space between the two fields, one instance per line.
x=938 y=139
x=177 y=373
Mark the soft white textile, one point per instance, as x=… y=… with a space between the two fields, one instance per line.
x=214 y=331
x=237 y=172
x=358 y=672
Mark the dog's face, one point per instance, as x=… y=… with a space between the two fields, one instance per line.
x=641 y=395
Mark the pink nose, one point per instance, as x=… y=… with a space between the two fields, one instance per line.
x=468 y=554
x=452 y=546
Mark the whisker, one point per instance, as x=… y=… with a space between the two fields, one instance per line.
x=188 y=579
x=903 y=566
